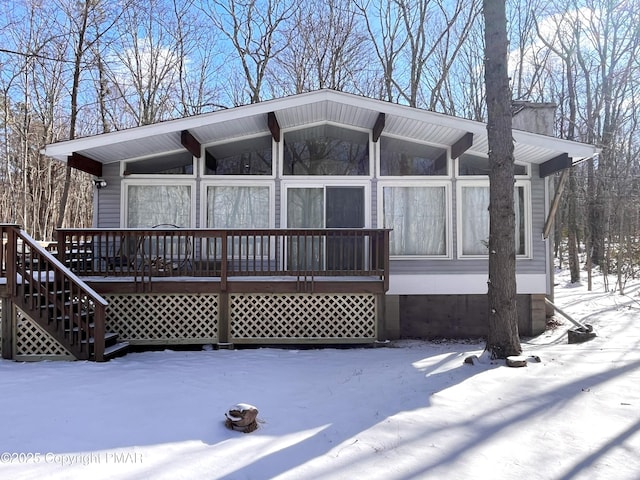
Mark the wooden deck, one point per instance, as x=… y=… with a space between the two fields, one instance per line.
x=163 y=286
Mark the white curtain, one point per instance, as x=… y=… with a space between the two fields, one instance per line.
x=305 y=208
x=150 y=205
x=417 y=216
x=519 y=210
x=475 y=220
x=238 y=207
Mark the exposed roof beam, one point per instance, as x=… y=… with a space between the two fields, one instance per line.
x=458 y=148
x=274 y=126
x=378 y=126
x=462 y=145
x=555 y=165
x=190 y=143
x=85 y=164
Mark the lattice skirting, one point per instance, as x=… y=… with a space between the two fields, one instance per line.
x=148 y=319
x=32 y=343
x=293 y=318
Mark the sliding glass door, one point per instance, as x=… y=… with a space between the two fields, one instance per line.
x=328 y=206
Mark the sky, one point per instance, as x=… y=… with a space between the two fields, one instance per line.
x=412 y=409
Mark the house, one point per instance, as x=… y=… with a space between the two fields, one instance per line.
x=323 y=217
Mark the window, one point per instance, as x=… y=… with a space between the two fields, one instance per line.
x=473 y=213
x=252 y=156
x=180 y=163
x=326 y=150
x=418 y=217
x=472 y=165
x=151 y=205
x=402 y=158
x=238 y=206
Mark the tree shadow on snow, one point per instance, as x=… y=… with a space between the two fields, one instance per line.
x=330 y=428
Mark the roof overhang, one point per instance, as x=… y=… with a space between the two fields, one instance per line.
x=273 y=116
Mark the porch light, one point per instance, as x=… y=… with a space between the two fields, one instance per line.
x=99 y=183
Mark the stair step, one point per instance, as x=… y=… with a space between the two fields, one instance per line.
x=54 y=293
x=117 y=350
x=109 y=338
x=66 y=319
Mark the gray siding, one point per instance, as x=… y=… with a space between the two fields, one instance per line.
x=107 y=200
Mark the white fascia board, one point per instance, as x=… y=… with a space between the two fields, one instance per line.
x=467 y=284
x=573 y=149
x=62 y=150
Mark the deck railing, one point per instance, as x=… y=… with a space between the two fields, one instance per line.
x=178 y=252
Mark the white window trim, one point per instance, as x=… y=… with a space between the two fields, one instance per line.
x=274 y=159
x=163 y=180
x=322 y=182
x=528 y=241
x=314 y=178
x=396 y=182
x=412 y=177
x=123 y=165
x=215 y=181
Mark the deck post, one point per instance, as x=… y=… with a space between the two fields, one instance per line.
x=381 y=330
x=223 y=318
x=8 y=268
x=224 y=264
x=7 y=328
x=62 y=246
x=386 y=260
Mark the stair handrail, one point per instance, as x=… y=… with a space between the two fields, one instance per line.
x=34 y=264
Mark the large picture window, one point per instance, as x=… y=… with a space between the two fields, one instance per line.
x=417 y=216
x=326 y=150
x=151 y=205
x=473 y=213
x=238 y=206
x=242 y=207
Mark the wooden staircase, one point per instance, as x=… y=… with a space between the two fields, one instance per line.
x=57 y=300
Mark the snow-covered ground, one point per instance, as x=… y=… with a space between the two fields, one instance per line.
x=411 y=410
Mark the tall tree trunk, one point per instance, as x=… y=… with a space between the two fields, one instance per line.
x=503 y=339
x=77 y=69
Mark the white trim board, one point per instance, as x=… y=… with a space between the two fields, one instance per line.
x=447 y=284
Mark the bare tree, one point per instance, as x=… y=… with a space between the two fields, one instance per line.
x=598 y=44
x=417 y=43
x=34 y=84
x=503 y=338
x=82 y=15
x=196 y=59
x=254 y=28
x=465 y=82
x=327 y=49
x=143 y=66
